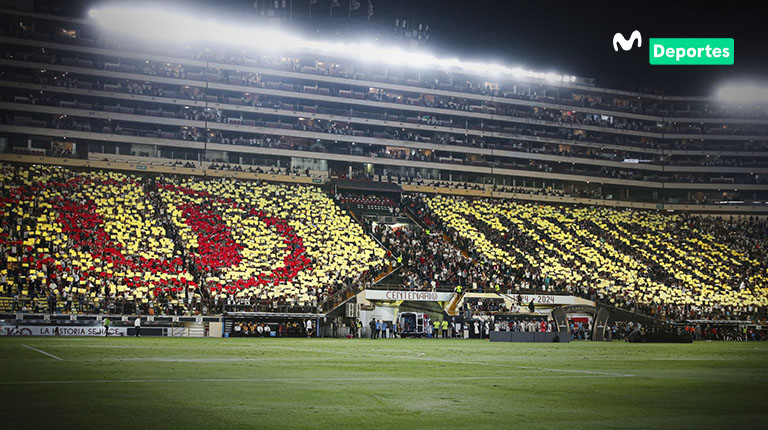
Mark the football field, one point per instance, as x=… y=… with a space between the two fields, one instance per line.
x=386 y=383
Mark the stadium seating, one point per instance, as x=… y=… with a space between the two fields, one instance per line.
x=628 y=171
x=88 y=241
x=85 y=235
x=298 y=242
x=97 y=241
x=428 y=261
x=698 y=264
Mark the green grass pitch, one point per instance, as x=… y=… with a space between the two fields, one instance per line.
x=399 y=383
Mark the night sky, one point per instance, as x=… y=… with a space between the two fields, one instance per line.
x=572 y=37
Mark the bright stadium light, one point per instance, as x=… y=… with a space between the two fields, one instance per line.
x=743 y=93
x=155 y=24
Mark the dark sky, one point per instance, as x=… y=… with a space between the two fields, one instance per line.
x=573 y=37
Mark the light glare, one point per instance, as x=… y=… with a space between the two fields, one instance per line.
x=743 y=93
x=150 y=23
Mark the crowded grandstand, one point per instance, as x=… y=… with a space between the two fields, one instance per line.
x=298 y=191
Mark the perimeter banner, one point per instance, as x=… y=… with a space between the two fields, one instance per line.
x=409 y=296
x=50 y=330
x=544 y=299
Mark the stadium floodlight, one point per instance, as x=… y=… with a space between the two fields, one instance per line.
x=743 y=93
x=162 y=25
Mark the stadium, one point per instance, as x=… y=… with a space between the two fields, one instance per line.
x=215 y=221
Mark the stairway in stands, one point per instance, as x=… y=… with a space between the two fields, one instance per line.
x=453 y=304
x=359 y=220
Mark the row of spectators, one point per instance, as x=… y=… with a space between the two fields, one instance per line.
x=742 y=332
x=489 y=306
x=520 y=325
x=270 y=329
x=295 y=171
x=268 y=141
x=218 y=165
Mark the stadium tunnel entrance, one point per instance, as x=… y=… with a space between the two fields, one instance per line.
x=390 y=307
x=599 y=317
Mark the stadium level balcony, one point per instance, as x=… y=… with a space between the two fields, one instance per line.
x=533 y=154
x=713 y=132
x=311 y=135
x=82 y=32
x=207 y=77
x=173 y=98
x=695 y=116
x=362 y=160
x=170 y=166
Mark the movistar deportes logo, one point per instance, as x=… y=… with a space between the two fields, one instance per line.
x=626 y=44
x=715 y=51
x=680 y=51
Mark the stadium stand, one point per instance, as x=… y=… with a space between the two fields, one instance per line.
x=670 y=264
x=103 y=241
x=428 y=261
x=248 y=109
x=106 y=241
x=443 y=179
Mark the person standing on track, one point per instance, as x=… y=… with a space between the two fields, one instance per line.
x=137 y=326
x=107 y=322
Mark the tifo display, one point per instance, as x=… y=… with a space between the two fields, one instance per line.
x=103 y=241
x=94 y=238
x=637 y=256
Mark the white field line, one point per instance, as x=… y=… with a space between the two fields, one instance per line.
x=200 y=359
x=588 y=372
x=341 y=379
x=42 y=352
x=359 y=354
